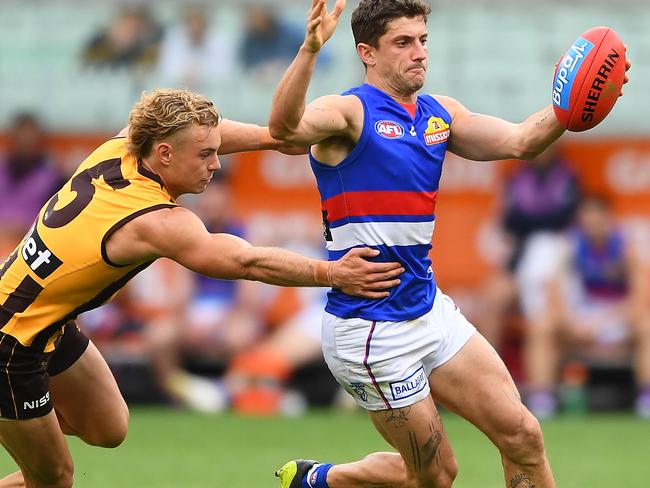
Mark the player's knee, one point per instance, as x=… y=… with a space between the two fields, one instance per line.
x=114 y=436
x=523 y=442
x=444 y=478
x=440 y=476
x=439 y=473
x=110 y=433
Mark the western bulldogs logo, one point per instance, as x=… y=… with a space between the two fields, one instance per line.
x=360 y=390
x=389 y=129
x=437 y=131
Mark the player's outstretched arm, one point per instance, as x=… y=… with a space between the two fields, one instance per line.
x=485 y=138
x=180 y=235
x=240 y=137
x=291 y=119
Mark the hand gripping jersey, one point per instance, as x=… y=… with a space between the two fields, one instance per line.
x=61 y=269
x=383 y=195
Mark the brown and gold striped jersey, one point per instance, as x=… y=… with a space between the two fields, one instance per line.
x=60 y=269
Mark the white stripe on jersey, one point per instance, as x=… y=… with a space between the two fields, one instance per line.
x=376 y=233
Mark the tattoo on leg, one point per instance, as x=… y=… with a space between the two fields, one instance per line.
x=431 y=446
x=415 y=451
x=398 y=417
x=438 y=459
x=521 y=480
x=429 y=452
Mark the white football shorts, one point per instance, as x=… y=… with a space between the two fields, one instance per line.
x=386 y=365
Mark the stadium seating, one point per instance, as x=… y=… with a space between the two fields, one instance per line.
x=496 y=60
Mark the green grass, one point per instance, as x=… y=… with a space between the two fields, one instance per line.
x=167 y=448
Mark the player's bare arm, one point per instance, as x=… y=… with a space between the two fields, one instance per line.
x=242 y=137
x=180 y=235
x=485 y=138
x=291 y=118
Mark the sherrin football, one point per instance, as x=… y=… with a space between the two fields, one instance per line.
x=588 y=79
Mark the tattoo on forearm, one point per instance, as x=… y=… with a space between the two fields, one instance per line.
x=398 y=417
x=321 y=109
x=544 y=118
x=521 y=480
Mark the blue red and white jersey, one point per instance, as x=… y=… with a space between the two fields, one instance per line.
x=383 y=195
x=602 y=269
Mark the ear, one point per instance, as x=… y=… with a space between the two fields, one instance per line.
x=366 y=53
x=163 y=151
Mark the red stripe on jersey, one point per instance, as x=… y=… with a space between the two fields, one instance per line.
x=361 y=203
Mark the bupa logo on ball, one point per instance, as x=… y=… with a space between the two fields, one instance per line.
x=389 y=129
x=566 y=71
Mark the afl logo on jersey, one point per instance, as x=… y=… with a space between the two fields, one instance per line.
x=389 y=129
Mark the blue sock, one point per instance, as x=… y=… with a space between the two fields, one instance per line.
x=316 y=477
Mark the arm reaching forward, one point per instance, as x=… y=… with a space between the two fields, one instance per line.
x=485 y=138
x=240 y=137
x=180 y=235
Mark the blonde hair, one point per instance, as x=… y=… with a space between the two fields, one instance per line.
x=164 y=112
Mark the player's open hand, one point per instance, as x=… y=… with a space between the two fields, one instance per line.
x=321 y=24
x=353 y=274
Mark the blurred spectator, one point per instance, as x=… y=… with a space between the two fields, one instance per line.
x=131 y=41
x=28 y=177
x=540 y=199
x=194 y=53
x=541 y=196
x=598 y=308
x=269 y=43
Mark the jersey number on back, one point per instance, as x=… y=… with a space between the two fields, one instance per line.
x=82 y=185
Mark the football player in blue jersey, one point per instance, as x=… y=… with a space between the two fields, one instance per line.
x=377 y=152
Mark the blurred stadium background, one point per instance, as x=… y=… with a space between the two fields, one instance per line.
x=73 y=69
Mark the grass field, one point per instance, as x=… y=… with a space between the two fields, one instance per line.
x=168 y=448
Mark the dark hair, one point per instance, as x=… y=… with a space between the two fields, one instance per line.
x=23 y=118
x=598 y=200
x=370 y=17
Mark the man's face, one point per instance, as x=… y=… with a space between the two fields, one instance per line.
x=27 y=141
x=595 y=221
x=402 y=54
x=193 y=159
